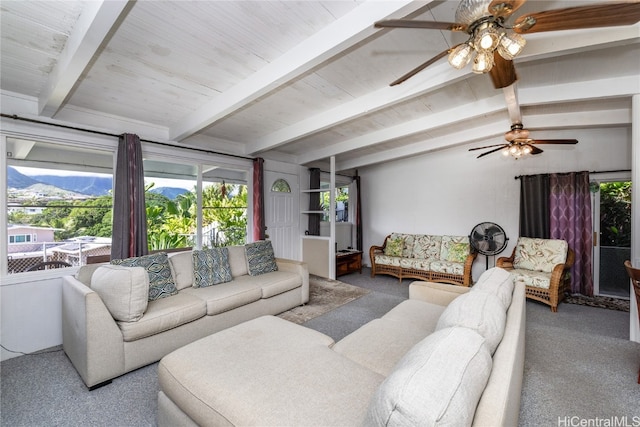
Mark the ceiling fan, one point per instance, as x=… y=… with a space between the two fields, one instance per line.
x=518 y=143
x=494 y=43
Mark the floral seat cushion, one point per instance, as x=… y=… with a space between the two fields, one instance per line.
x=537 y=279
x=539 y=254
x=388 y=260
x=449 y=267
x=426 y=247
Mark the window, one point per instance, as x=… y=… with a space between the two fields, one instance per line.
x=281 y=186
x=59 y=200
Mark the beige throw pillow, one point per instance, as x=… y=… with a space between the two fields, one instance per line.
x=480 y=311
x=437 y=383
x=124 y=290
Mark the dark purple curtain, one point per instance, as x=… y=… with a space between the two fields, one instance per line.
x=314 y=203
x=258 y=199
x=129 y=211
x=534 y=206
x=570 y=220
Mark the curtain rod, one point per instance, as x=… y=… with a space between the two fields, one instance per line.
x=590 y=172
x=202 y=150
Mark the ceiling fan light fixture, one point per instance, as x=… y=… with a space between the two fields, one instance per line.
x=486 y=40
x=511 y=45
x=483 y=62
x=460 y=56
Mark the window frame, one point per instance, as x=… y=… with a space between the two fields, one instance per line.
x=79 y=139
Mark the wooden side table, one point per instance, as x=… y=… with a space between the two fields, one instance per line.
x=348 y=262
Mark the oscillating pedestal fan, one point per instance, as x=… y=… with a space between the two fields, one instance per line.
x=488 y=239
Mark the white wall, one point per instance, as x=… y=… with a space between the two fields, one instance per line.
x=450 y=191
x=30 y=313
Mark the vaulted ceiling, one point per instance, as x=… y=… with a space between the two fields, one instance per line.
x=299 y=81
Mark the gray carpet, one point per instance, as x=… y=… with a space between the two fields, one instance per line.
x=578 y=363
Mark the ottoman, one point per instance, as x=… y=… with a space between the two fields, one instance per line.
x=267 y=371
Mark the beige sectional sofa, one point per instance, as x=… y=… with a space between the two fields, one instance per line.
x=445 y=259
x=106 y=335
x=449 y=355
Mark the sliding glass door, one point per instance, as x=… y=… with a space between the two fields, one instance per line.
x=612 y=237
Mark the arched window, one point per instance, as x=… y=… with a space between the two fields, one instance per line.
x=281 y=186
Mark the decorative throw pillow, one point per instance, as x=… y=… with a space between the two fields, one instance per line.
x=161 y=284
x=480 y=311
x=123 y=290
x=438 y=382
x=210 y=267
x=260 y=257
x=394 y=247
x=458 y=252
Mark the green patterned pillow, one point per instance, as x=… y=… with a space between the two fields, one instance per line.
x=260 y=257
x=394 y=247
x=458 y=252
x=210 y=267
x=161 y=284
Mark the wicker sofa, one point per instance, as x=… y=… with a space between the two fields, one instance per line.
x=543 y=265
x=446 y=259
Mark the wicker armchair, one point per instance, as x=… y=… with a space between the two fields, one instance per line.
x=543 y=265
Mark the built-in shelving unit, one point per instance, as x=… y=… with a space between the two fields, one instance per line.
x=319 y=252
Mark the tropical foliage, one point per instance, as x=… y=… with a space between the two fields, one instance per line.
x=170 y=223
x=615 y=214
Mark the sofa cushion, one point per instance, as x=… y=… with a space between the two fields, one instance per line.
x=480 y=311
x=438 y=382
x=211 y=267
x=274 y=283
x=426 y=247
x=388 y=260
x=454 y=248
x=497 y=281
x=539 y=254
x=263 y=372
x=124 y=290
x=407 y=247
x=394 y=246
x=164 y=314
x=226 y=296
x=415 y=263
x=381 y=343
x=260 y=258
x=448 y=267
x=238 y=260
x=537 y=279
x=181 y=264
x=161 y=284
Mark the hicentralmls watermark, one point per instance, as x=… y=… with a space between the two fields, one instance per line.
x=614 y=421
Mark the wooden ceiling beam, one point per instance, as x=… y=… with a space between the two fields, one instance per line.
x=543 y=45
x=337 y=37
x=95 y=23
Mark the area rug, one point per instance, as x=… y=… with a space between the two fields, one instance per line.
x=324 y=296
x=599 y=301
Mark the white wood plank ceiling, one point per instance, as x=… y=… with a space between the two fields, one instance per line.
x=298 y=81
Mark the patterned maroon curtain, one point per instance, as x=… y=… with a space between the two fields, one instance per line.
x=570 y=220
x=129 y=211
x=258 y=199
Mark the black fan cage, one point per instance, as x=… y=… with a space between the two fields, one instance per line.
x=488 y=238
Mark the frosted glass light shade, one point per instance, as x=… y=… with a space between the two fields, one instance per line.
x=487 y=39
x=483 y=62
x=511 y=45
x=460 y=56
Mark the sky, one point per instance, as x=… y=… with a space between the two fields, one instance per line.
x=159 y=182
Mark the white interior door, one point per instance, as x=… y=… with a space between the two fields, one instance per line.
x=282 y=214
